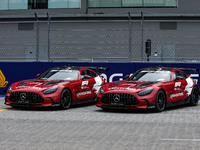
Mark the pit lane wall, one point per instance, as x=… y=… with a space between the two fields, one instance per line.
x=11 y=72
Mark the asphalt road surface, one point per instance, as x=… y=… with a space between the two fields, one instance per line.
x=87 y=127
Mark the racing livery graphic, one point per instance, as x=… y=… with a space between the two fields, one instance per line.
x=153 y=87
x=61 y=86
x=3 y=81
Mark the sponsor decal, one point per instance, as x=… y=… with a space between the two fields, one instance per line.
x=3 y=81
x=178 y=84
x=84 y=85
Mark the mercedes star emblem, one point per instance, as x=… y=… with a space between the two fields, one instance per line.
x=116 y=98
x=23 y=96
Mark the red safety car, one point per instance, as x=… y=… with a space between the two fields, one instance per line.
x=154 y=87
x=61 y=86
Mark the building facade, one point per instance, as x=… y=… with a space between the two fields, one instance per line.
x=13 y=7
x=99 y=30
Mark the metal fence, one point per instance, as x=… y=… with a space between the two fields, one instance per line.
x=100 y=40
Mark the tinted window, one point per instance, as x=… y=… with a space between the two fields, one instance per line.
x=88 y=73
x=180 y=74
x=92 y=74
x=151 y=76
x=60 y=75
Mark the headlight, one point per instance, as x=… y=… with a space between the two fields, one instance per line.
x=146 y=91
x=10 y=89
x=101 y=91
x=50 y=90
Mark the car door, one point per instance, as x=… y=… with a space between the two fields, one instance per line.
x=179 y=85
x=87 y=83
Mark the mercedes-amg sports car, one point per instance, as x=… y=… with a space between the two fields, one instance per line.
x=61 y=86
x=154 y=87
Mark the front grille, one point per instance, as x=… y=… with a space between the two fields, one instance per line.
x=123 y=99
x=25 y=97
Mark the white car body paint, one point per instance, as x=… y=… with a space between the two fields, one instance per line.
x=189 y=85
x=98 y=84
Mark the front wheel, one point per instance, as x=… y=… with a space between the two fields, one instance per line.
x=66 y=99
x=194 y=97
x=160 y=101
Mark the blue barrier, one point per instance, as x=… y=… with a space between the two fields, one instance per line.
x=11 y=72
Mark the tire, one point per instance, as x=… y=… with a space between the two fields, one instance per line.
x=160 y=101
x=65 y=99
x=194 y=97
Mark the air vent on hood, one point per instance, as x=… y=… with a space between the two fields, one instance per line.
x=117 y=83
x=146 y=84
x=51 y=83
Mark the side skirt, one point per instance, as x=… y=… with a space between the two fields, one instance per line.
x=178 y=103
x=76 y=101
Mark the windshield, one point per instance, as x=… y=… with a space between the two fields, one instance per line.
x=61 y=75
x=151 y=76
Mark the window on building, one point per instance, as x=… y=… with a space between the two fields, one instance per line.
x=38 y=4
x=64 y=3
x=132 y=3
x=13 y=4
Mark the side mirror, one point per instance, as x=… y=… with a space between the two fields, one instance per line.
x=38 y=75
x=126 y=77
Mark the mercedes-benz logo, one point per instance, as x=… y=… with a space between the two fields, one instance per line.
x=23 y=96
x=116 y=98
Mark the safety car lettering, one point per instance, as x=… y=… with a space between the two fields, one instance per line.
x=83 y=93
x=176 y=95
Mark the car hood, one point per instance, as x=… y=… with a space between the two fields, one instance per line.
x=124 y=85
x=36 y=83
